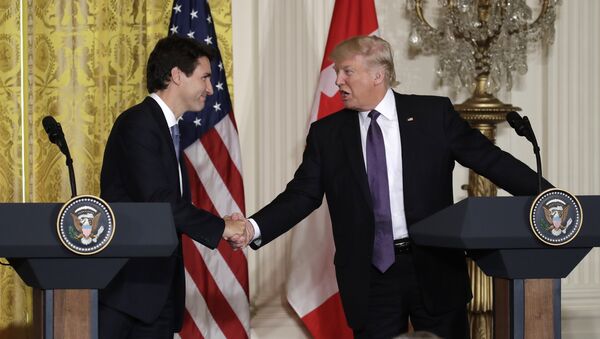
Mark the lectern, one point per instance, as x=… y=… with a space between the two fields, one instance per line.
x=495 y=232
x=30 y=242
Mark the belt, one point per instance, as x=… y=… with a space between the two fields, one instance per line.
x=402 y=246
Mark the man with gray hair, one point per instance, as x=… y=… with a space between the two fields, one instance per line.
x=385 y=162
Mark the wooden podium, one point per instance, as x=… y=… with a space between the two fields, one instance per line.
x=69 y=282
x=495 y=232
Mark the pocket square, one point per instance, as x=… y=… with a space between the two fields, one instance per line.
x=409 y=119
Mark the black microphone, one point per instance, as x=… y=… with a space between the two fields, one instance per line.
x=522 y=126
x=56 y=136
x=515 y=121
x=55 y=132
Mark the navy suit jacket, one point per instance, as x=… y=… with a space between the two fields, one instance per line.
x=140 y=165
x=433 y=138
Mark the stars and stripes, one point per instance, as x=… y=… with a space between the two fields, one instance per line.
x=216 y=281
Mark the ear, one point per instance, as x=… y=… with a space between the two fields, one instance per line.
x=176 y=75
x=379 y=77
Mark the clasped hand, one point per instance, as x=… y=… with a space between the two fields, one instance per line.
x=238 y=230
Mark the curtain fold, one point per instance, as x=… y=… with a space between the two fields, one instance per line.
x=15 y=297
x=87 y=64
x=83 y=63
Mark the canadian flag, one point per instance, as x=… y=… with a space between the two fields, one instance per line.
x=312 y=286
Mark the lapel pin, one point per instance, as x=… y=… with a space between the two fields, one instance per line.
x=410 y=119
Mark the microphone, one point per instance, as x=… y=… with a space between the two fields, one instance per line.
x=55 y=133
x=522 y=126
x=516 y=122
x=56 y=136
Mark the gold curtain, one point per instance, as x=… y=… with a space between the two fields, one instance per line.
x=15 y=298
x=84 y=63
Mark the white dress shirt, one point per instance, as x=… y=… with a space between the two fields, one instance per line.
x=171 y=121
x=388 y=122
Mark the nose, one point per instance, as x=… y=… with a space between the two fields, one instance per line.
x=339 y=79
x=209 y=88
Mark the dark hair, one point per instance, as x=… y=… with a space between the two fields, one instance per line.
x=173 y=51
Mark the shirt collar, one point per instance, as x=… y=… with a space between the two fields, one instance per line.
x=387 y=106
x=169 y=115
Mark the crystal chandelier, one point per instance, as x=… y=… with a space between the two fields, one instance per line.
x=480 y=43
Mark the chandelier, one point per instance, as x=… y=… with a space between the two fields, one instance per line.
x=481 y=43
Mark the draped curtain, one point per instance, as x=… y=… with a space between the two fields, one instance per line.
x=84 y=63
x=15 y=298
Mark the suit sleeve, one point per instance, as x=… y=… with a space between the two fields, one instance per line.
x=302 y=195
x=473 y=150
x=145 y=168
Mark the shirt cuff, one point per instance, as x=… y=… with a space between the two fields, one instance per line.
x=256 y=238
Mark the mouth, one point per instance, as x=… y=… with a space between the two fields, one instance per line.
x=345 y=95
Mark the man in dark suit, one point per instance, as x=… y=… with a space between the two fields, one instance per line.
x=384 y=163
x=141 y=164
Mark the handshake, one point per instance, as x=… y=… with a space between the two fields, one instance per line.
x=238 y=230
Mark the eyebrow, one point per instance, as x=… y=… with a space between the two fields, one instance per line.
x=345 y=67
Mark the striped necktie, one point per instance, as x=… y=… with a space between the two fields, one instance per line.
x=383 y=245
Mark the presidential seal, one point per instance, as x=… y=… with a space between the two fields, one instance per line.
x=555 y=217
x=85 y=225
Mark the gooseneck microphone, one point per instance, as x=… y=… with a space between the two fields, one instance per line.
x=56 y=136
x=523 y=128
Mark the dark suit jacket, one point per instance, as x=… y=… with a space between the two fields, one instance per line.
x=333 y=165
x=140 y=166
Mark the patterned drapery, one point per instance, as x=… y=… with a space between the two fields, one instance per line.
x=84 y=63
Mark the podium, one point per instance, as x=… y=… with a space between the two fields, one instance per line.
x=30 y=243
x=495 y=233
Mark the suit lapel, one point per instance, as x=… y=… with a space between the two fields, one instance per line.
x=353 y=148
x=407 y=123
x=165 y=133
x=187 y=194
x=159 y=117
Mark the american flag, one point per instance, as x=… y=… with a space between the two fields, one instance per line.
x=216 y=281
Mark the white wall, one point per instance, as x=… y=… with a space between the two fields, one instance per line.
x=278 y=49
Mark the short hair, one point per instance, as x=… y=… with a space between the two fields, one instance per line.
x=173 y=51
x=377 y=52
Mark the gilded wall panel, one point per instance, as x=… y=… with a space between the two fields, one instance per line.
x=10 y=109
x=15 y=297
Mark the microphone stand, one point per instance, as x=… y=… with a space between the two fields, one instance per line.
x=56 y=136
x=536 y=150
x=71 y=172
x=64 y=148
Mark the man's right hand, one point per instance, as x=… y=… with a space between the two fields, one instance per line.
x=235 y=230
x=239 y=241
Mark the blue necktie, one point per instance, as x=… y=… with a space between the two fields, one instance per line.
x=175 y=137
x=383 y=245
